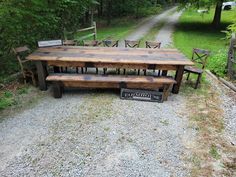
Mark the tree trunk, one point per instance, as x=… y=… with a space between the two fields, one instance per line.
x=217 y=16
x=109 y=10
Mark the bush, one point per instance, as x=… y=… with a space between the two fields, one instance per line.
x=217 y=63
x=147 y=11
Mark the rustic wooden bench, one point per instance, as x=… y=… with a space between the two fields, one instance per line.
x=109 y=81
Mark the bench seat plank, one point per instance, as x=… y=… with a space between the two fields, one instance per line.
x=110 y=81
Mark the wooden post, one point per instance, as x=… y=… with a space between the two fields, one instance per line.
x=231 y=57
x=42 y=74
x=178 y=78
x=95 y=30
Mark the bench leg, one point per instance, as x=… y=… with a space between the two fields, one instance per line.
x=165 y=93
x=57 y=90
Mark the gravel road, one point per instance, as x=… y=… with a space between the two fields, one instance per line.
x=95 y=134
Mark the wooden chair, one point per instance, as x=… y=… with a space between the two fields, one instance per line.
x=90 y=43
x=26 y=71
x=199 y=56
x=69 y=42
x=132 y=44
x=153 y=45
x=109 y=43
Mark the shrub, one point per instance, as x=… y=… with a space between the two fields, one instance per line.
x=217 y=63
x=147 y=11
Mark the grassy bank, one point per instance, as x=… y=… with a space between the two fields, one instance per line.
x=195 y=31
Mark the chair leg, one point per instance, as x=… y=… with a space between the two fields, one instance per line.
x=124 y=71
x=104 y=70
x=188 y=76
x=82 y=70
x=33 y=80
x=118 y=71
x=198 y=80
x=145 y=72
x=96 y=70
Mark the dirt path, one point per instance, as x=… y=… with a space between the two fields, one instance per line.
x=148 y=25
x=165 y=34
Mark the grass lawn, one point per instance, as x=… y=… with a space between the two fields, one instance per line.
x=195 y=31
x=118 y=30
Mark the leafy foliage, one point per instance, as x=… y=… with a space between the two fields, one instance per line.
x=23 y=22
x=26 y=21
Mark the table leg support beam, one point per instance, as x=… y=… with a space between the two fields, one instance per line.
x=178 y=78
x=42 y=74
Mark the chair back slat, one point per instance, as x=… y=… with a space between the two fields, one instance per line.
x=200 y=56
x=21 y=49
x=69 y=42
x=153 y=45
x=132 y=44
x=50 y=43
x=91 y=43
x=110 y=43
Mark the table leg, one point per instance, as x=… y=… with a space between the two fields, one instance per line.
x=178 y=78
x=42 y=74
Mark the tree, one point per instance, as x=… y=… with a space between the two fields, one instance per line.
x=207 y=3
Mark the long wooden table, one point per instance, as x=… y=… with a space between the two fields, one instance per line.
x=101 y=57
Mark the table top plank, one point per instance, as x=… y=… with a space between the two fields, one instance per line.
x=110 y=55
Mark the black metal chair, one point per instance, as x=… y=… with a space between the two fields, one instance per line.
x=199 y=56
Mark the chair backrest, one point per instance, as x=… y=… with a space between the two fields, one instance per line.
x=200 y=56
x=20 y=52
x=132 y=44
x=50 y=43
x=153 y=45
x=91 y=43
x=69 y=42
x=110 y=43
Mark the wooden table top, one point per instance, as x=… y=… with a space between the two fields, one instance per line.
x=110 y=55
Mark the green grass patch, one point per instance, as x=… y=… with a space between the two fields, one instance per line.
x=10 y=96
x=6 y=99
x=196 y=31
x=214 y=152
x=118 y=30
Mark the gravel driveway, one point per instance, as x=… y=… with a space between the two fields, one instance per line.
x=95 y=134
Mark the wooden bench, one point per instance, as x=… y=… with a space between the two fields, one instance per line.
x=109 y=81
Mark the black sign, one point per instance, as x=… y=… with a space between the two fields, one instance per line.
x=141 y=95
